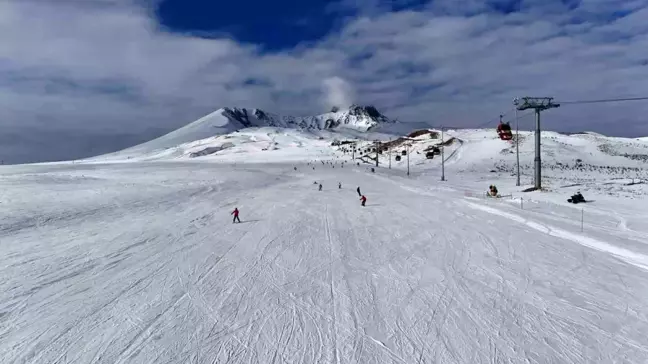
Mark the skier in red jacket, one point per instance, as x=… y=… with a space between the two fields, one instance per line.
x=363 y=199
x=236 y=215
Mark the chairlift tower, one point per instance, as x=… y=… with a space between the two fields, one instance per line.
x=442 y=156
x=538 y=104
x=377 y=146
x=389 y=152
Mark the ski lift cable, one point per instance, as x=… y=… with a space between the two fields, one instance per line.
x=643 y=98
x=491 y=121
x=575 y=102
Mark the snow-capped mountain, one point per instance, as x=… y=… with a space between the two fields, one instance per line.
x=357 y=117
x=228 y=120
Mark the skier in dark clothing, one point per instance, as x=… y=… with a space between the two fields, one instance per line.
x=359 y=194
x=339 y=185
x=236 y=215
x=363 y=199
x=320 y=187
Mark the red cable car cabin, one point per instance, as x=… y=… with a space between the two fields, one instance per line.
x=504 y=131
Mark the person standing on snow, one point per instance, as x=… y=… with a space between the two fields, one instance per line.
x=339 y=185
x=236 y=215
x=363 y=199
x=359 y=194
x=320 y=187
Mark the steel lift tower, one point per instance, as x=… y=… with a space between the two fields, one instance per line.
x=538 y=104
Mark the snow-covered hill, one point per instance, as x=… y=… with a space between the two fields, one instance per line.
x=585 y=159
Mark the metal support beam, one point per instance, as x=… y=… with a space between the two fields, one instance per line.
x=442 y=157
x=538 y=159
x=376 y=145
x=389 y=152
x=517 y=146
x=538 y=104
x=408 y=153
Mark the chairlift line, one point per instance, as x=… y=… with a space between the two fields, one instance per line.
x=605 y=100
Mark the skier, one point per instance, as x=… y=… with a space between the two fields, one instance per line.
x=363 y=199
x=359 y=194
x=339 y=185
x=236 y=215
x=320 y=187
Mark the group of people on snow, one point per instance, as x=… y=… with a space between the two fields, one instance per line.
x=363 y=198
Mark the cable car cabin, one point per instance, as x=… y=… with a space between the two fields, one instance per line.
x=504 y=131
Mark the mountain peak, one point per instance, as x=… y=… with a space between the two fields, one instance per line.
x=368 y=110
x=230 y=119
x=360 y=117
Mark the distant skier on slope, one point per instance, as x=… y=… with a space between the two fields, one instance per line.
x=363 y=199
x=358 y=190
x=236 y=215
x=320 y=187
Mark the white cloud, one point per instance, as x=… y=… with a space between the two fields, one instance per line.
x=339 y=93
x=105 y=67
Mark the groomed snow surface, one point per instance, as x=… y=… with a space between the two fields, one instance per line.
x=140 y=263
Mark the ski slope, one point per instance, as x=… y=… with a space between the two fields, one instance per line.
x=140 y=263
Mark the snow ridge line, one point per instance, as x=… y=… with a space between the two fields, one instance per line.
x=628 y=256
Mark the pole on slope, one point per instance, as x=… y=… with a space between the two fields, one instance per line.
x=389 y=152
x=442 y=157
x=537 y=160
x=353 y=148
x=582 y=219
x=376 y=144
x=408 y=153
x=517 y=146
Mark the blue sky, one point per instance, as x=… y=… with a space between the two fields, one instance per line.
x=99 y=75
x=273 y=25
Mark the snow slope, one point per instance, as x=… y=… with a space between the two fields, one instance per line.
x=140 y=263
x=579 y=159
x=216 y=123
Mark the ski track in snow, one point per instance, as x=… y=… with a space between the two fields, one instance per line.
x=142 y=264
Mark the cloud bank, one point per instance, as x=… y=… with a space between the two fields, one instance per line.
x=84 y=77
